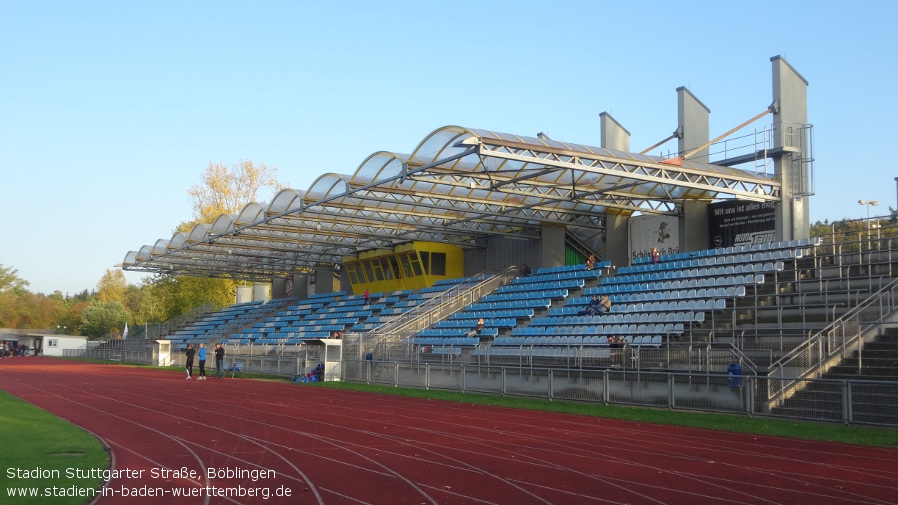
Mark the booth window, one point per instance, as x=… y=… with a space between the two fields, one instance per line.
x=437 y=263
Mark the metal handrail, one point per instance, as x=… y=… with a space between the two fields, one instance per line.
x=814 y=356
x=444 y=305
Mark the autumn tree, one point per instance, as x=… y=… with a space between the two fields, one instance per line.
x=222 y=190
x=226 y=190
x=112 y=287
x=179 y=294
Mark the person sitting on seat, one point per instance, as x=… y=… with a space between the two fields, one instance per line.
x=477 y=329
x=598 y=305
x=591 y=262
x=525 y=270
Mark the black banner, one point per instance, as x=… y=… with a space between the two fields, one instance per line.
x=736 y=222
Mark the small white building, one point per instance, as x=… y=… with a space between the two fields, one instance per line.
x=41 y=342
x=54 y=345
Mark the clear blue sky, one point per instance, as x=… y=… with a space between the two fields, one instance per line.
x=110 y=111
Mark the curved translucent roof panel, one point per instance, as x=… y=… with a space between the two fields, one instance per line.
x=459 y=185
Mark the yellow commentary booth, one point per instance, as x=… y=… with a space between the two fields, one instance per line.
x=414 y=265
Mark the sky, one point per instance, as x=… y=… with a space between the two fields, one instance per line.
x=111 y=111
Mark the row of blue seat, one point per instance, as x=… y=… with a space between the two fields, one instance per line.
x=625 y=318
x=680 y=294
x=670 y=305
x=739 y=261
x=602 y=330
x=554 y=294
x=572 y=268
x=710 y=276
x=571 y=340
x=535 y=303
x=470 y=323
x=493 y=314
x=457 y=341
x=456 y=332
x=785 y=244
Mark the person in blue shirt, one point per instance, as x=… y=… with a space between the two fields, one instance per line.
x=202 y=358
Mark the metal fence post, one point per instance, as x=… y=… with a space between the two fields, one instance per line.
x=503 y=381
x=671 y=401
x=750 y=386
x=846 y=401
x=463 y=378
x=427 y=376
x=550 y=392
x=606 y=388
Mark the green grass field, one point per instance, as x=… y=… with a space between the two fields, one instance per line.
x=36 y=443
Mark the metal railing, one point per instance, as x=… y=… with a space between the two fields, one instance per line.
x=444 y=305
x=845 y=401
x=829 y=346
x=161 y=330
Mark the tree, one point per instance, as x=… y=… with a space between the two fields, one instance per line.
x=176 y=295
x=101 y=318
x=10 y=281
x=227 y=191
x=112 y=287
x=223 y=190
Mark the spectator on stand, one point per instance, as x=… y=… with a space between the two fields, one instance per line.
x=598 y=305
x=591 y=262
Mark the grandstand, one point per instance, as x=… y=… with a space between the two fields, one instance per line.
x=739 y=290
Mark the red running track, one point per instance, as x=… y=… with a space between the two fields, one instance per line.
x=337 y=447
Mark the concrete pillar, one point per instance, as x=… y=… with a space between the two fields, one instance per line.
x=694 y=226
x=617 y=239
x=790 y=150
x=278 y=288
x=324 y=280
x=300 y=286
x=551 y=246
x=693 y=125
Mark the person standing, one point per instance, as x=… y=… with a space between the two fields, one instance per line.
x=219 y=361
x=202 y=358
x=367 y=297
x=191 y=352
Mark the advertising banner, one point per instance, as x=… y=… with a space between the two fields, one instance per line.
x=661 y=232
x=737 y=222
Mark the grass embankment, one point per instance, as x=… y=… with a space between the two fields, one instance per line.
x=805 y=430
x=35 y=442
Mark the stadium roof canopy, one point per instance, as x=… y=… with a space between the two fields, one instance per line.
x=458 y=186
